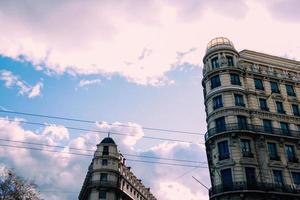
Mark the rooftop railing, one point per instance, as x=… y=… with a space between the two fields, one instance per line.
x=253 y=128
x=254 y=186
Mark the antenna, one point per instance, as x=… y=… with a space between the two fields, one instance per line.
x=201 y=183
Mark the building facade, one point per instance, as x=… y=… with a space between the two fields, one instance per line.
x=252 y=107
x=108 y=178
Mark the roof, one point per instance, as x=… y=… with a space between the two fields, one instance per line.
x=107 y=140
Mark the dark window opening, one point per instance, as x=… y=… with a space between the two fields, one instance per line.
x=239 y=100
x=278 y=179
x=258 y=84
x=230 y=61
x=217 y=101
x=296 y=178
x=226 y=178
x=104 y=162
x=223 y=150
x=103 y=177
x=215 y=63
x=246 y=148
x=295 y=108
x=105 y=150
x=273 y=152
x=215 y=81
x=263 y=104
x=290 y=90
x=284 y=127
x=220 y=124
x=102 y=194
x=290 y=152
x=279 y=106
x=235 y=79
x=274 y=87
x=242 y=122
x=267 y=124
x=250 y=176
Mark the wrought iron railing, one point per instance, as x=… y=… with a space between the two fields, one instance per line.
x=259 y=186
x=252 y=128
x=103 y=183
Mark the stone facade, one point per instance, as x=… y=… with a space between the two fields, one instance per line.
x=253 y=120
x=108 y=178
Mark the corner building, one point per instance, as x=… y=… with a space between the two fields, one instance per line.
x=108 y=178
x=253 y=120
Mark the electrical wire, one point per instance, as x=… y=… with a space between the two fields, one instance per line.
x=93 y=122
x=98 y=131
x=90 y=150
x=89 y=155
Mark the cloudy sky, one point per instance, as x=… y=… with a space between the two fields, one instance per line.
x=125 y=65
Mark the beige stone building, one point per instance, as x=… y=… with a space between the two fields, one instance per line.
x=108 y=178
x=253 y=140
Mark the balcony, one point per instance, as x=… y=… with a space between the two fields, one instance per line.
x=224 y=156
x=293 y=159
x=100 y=183
x=274 y=157
x=248 y=154
x=252 y=128
x=253 y=187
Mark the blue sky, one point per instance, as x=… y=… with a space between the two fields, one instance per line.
x=136 y=63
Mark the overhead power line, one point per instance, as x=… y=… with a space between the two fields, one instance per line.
x=93 y=122
x=99 y=131
x=89 y=155
x=90 y=150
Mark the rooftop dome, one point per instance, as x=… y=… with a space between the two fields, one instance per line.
x=107 y=140
x=219 y=41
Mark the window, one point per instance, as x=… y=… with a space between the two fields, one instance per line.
x=226 y=178
x=105 y=150
x=103 y=177
x=220 y=124
x=102 y=195
x=229 y=60
x=250 y=175
x=104 y=162
x=290 y=90
x=279 y=107
x=242 y=122
x=215 y=63
x=246 y=148
x=223 y=150
x=273 y=151
x=278 y=177
x=290 y=152
x=263 y=104
x=296 y=178
x=235 y=79
x=258 y=84
x=267 y=125
x=217 y=101
x=239 y=100
x=295 y=108
x=274 y=87
x=284 y=127
x=215 y=81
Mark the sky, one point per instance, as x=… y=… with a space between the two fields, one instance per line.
x=124 y=65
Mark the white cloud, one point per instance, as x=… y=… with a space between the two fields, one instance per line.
x=11 y=80
x=83 y=83
x=134 y=130
x=140 y=43
x=173 y=190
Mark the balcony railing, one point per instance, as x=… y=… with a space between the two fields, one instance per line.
x=104 y=183
x=248 y=154
x=252 y=128
x=293 y=159
x=257 y=186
